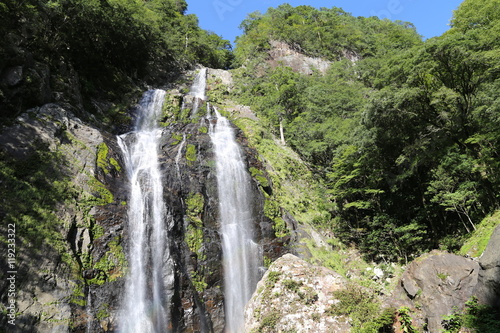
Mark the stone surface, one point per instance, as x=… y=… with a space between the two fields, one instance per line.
x=488 y=289
x=294 y=296
x=282 y=53
x=13 y=75
x=434 y=285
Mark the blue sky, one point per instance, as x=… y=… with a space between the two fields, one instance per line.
x=430 y=17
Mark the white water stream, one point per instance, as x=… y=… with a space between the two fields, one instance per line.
x=143 y=306
x=198 y=89
x=241 y=255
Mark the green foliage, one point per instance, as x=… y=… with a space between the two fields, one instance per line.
x=269 y=321
x=31 y=188
x=190 y=153
x=327 y=32
x=359 y=305
x=474 y=316
x=112 y=263
x=109 y=46
x=198 y=281
x=194 y=233
x=406 y=321
x=194 y=236
x=475 y=245
x=401 y=132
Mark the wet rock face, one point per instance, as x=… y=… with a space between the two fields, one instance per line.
x=434 y=285
x=294 y=296
x=190 y=187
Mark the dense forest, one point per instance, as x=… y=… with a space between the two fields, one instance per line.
x=98 y=49
x=403 y=132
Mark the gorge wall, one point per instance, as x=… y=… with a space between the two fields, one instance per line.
x=73 y=278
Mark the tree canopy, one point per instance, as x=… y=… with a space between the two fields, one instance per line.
x=107 y=43
x=403 y=134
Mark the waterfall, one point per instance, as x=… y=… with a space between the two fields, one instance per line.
x=241 y=255
x=179 y=155
x=90 y=316
x=143 y=307
x=198 y=89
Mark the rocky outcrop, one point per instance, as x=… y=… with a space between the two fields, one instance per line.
x=434 y=285
x=282 y=54
x=488 y=288
x=294 y=296
x=59 y=153
x=439 y=283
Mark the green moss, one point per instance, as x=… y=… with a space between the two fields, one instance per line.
x=78 y=296
x=477 y=242
x=178 y=139
x=104 y=161
x=115 y=164
x=198 y=281
x=203 y=129
x=194 y=239
x=190 y=153
x=102 y=157
x=194 y=234
x=442 y=276
x=269 y=321
x=103 y=312
x=273 y=277
x=97 y=231
x=112 y=263
x=259 y=176
x=267 y=262
x=32 y=189
x=194 y=204
x=104 y=196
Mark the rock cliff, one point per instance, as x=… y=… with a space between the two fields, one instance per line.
x=295 y=296
x=72 y=279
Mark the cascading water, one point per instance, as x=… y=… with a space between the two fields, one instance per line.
x=198 y=89
x=145 y=298
x=241 y=255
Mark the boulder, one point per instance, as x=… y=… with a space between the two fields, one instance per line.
x=436 y=284
x=295 y=296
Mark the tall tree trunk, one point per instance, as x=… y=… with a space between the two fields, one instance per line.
x=282 y=134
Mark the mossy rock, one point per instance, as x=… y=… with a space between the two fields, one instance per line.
x=191 y=154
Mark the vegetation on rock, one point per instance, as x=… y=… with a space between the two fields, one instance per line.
x=76 y=49
x=402 y=133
